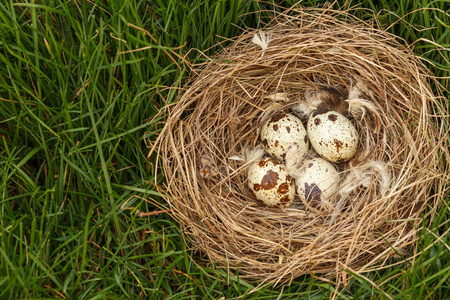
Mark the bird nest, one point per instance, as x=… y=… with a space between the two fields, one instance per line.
x=309 y=59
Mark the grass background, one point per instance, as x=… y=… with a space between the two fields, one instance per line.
x=79 y=82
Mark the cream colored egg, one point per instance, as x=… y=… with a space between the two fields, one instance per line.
x=316 y=180
x=281 y=132
x=269 y=182
x=332 y=135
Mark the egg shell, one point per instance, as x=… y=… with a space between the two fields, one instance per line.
x=270 y=182
x=317 y=180
x=332 y=135
x=282 y=131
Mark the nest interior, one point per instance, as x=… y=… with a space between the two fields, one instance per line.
x=392 y=181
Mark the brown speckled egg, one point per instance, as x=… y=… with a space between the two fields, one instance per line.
x=281 y=132
x=318 y=180
x=332 y=135
x=270 y=182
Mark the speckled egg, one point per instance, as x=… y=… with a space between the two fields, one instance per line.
x=332 y=135
x=317 y=180
x=269 y=182
x=281 y=132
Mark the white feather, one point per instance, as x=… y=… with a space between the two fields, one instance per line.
x=311 y=102
x=236 y=157
x=357 y=105
x=261 y=40
x=280 y=97
x=294 y=159
x=254 y=154
x=362 y=176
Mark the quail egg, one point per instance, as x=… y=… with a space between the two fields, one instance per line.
x=270 y=182
x=316 y=180
x=281 y=132
x=332 y=135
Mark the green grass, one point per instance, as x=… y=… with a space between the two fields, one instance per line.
x=79 y=81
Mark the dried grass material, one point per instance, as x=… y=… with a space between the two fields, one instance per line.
x=319 y=52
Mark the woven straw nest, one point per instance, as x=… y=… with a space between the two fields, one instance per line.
x=301 y=61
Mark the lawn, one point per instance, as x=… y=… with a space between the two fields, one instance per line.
x=82 y=88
